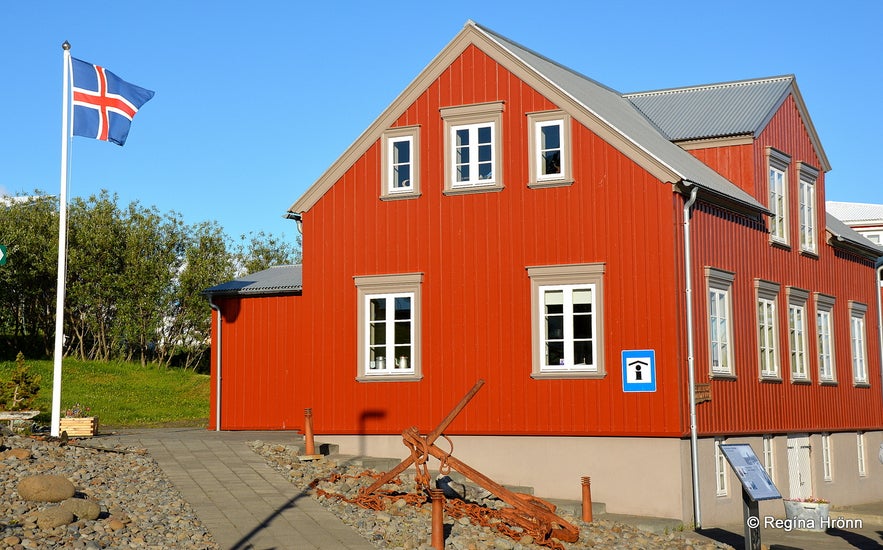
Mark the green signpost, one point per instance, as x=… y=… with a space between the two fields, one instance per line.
x=2 y=254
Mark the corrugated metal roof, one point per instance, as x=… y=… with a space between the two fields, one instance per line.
x=843 y=232
x=624 y=117
x=714 y=110
x=283 y=279
x=856 y=212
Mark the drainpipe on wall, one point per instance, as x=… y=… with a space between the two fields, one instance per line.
x=878 y=287
x=215 y=307
x=694 y=440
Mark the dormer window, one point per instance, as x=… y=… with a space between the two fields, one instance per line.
x=473 y=148
x=807 y=207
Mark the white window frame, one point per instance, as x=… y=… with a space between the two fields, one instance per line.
x=721 y=484
x=536 y=123
x=860 y=454
x=720 y=321
x=567 y=278
x=798 y=346
x=827 y=470
x=858 y=343
x=769 y=462
x=777 y=183
x=768 y=330
x=807 y=207
x=471 y=118
x=825 y=338
x=391 y=137
x=389 y=287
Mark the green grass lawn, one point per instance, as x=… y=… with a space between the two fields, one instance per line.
x=123 y=394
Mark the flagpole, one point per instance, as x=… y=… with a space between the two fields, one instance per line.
x=62 y=248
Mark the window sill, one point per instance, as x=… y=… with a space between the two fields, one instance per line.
x=828 y=383
x=809 y=253
x=722 y=376
x=862 y=385
x=389 y=378
x=566 y=375
x=550 y=183
x=771 y=379
x=784 y=245
x=801 y=381
x=471 y=190
x=400 y=196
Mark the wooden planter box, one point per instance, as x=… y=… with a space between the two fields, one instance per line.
x=79 y=427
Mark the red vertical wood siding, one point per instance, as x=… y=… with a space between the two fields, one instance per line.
x=473 y=250
x=748 y=405
x=259 y=355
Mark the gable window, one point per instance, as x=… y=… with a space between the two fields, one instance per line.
x=389 y=327
x=857 y=313
x=549 y=154
x=720 y=322
x=825 y=337
x=827 y=472
x=400 y=163
x=777 y=169
x=473 y=147
x=567 y=311
x=807 y=207
x=797 y=333
x=767 y=330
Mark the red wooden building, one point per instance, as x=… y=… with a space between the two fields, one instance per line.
x=636 y=277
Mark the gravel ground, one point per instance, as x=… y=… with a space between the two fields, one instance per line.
x=140 y=508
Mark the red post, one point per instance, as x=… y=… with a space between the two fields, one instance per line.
x=308 y=432
x=587 y=499
x=438 y=519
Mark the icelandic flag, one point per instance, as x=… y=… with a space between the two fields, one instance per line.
x=104 y=104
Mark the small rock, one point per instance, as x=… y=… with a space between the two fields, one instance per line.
x=54 y=517
x=82 y=508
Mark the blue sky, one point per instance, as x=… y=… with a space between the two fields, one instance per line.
x=254 y=100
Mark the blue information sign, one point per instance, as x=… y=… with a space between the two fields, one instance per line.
x=639 y=370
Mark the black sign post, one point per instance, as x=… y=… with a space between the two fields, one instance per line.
x=756 y=486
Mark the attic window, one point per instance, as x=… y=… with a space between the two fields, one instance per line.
x=473 y=148
x=777 y=168
x=400 y=163
x=549 y=144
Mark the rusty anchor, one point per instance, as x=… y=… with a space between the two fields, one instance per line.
x=532 y=514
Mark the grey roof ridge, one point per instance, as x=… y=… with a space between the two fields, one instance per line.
x=721 y=187
x=699 y=87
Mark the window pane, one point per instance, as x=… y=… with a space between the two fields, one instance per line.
x=402 y=332
x=403 y=308
x=484 y=134
x=378 y=334
x=582 y=353
x=401 y=152
x=463 y=137
x=402 y=176
x=555 y=353
x=582 y=326
x=377 y=307
x=551 y=137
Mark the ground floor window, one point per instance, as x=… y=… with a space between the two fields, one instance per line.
x=389 y=326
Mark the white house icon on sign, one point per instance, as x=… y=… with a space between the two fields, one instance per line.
x=638 y=371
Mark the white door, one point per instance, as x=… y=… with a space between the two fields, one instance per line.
x=799 y=466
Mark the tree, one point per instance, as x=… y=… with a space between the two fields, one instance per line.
x=261 y=251
x=29 y=229
x=188 y=325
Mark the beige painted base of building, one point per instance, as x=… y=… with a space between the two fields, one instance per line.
x=647 y=476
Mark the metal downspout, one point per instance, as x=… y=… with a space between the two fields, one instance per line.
x=215 y=307
x=694 y=440
x=878 y=287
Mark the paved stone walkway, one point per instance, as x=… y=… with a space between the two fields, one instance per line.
x=244 y=503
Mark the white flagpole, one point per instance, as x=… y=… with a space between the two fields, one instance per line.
x=62 y=249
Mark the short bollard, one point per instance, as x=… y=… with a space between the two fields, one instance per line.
x=310 y=450
x=587 y=499
x=438 y=518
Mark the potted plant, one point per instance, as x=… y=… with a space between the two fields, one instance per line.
x=807 y=514
x=78 y=423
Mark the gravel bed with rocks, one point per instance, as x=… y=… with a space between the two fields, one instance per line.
x=132 y=502
x=403 y=526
